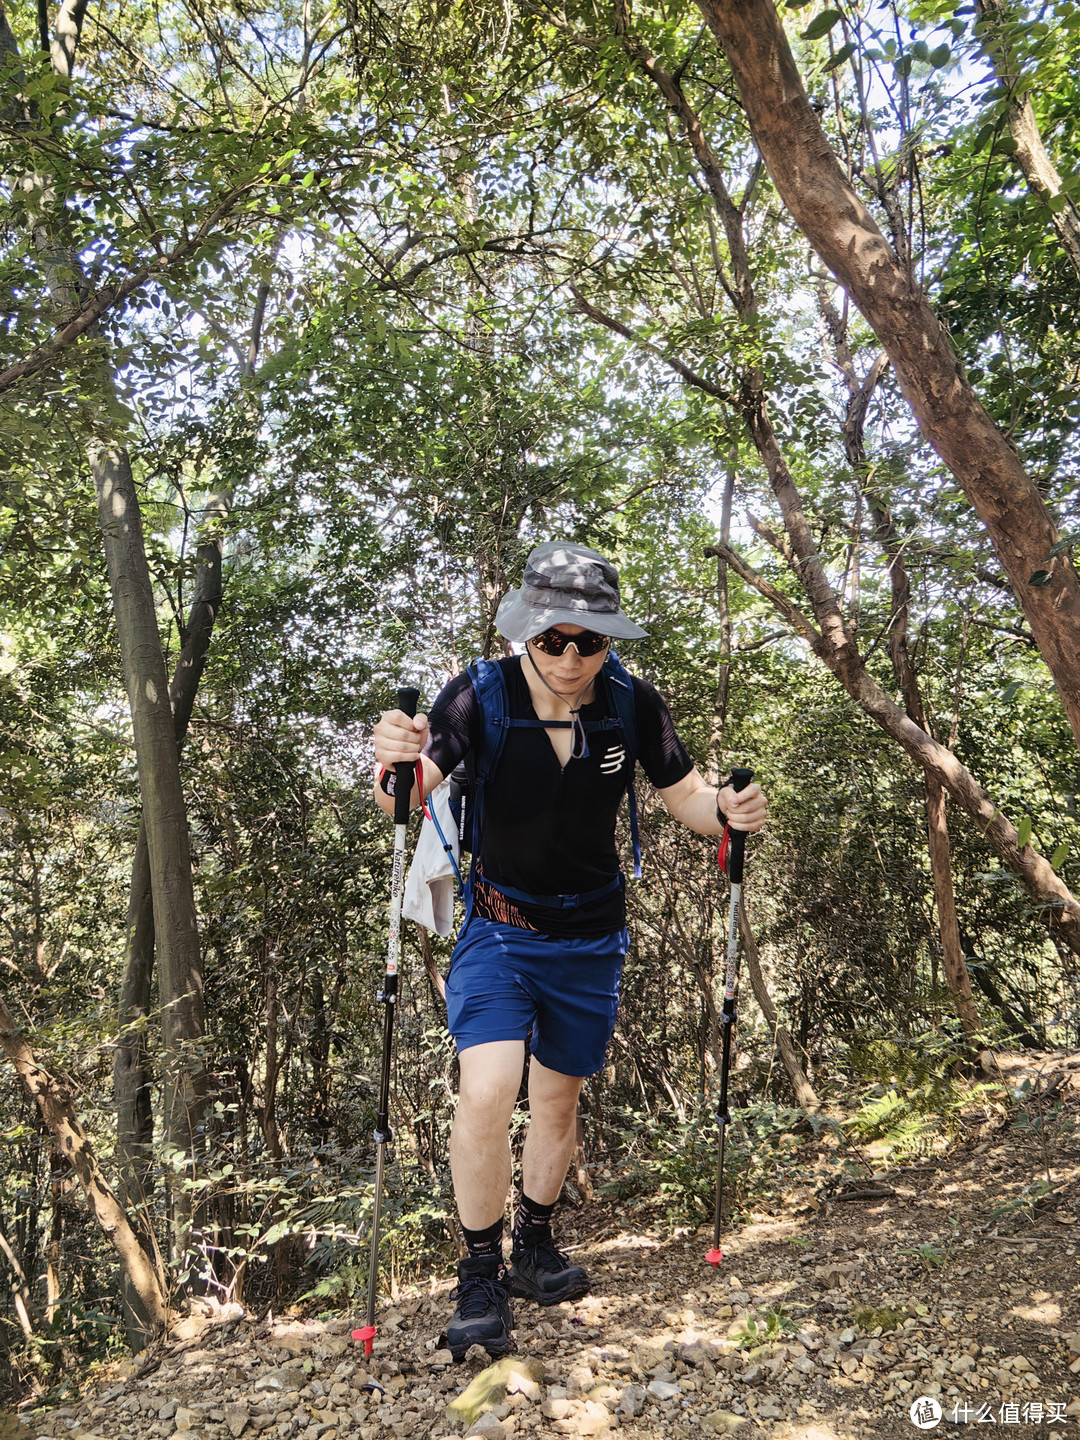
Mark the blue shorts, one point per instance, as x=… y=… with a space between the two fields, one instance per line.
x=560 y=994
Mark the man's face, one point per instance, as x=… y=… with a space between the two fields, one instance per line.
x=569 y=673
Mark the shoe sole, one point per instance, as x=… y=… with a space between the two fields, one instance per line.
x=494 y=1348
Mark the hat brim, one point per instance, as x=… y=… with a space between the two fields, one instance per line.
x=517 y=619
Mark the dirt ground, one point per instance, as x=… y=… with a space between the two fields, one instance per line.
x=949 y=1281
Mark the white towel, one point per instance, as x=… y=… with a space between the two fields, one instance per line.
x=431 y=884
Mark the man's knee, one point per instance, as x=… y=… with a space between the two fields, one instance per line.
x=486 y=1104
x=489 y=1083
x=553 y=1097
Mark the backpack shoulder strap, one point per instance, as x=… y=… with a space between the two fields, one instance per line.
x=621 y=692
x=490 y=686
x=491 y=693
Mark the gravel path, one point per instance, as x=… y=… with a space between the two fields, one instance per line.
x=940 y=1284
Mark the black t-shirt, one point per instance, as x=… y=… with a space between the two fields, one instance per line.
x=549 y=829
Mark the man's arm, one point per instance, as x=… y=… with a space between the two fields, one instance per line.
x=694 y=804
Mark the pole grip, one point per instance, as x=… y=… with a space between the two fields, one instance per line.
x=740 y=778
x=408 y=697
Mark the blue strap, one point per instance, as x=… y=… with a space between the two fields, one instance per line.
x=622 y=693
x=555 y=902
x=447 y=847
x=585 y=725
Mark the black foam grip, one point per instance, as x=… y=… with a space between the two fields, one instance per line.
x=737 y=838
x=408 y=697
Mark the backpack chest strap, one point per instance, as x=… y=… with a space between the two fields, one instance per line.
x=610 y=722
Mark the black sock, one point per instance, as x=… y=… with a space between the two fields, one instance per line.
x=532 y=1223
x=484 y=1242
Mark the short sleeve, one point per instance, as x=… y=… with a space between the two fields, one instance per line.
x=454 y=722
x=661 y=753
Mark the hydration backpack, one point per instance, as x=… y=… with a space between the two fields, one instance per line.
x=471 y=777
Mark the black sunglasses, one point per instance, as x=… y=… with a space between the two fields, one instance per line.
x=554 y=642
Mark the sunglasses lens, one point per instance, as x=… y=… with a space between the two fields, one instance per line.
x=590 y=643
x=554 y=642
x=551 y=642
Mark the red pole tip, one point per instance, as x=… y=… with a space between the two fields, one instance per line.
x=366 y=1334
x=714 y=1257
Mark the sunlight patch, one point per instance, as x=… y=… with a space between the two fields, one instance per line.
x=628 y=1242
x=806 y=1432
x=760 y=1231
x=1046 y=1313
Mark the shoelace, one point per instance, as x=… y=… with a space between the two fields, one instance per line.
x=547 y=1249
x=476 y=1296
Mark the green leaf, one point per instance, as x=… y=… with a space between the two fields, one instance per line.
x=844 y=53
x=1059 y=855
x=1023 y=831
x=821 y=24
x=1009 y=694
x=940 y=56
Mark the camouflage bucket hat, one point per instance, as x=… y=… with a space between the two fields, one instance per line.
x=565 y=584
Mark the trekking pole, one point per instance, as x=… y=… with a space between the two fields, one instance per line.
x=407 y=699
x=730 y=858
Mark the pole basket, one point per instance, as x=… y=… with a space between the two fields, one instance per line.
x=365 y=1336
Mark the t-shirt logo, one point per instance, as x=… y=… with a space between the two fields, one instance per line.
x=613 y=759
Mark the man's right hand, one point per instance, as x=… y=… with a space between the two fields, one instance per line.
x=399 y=738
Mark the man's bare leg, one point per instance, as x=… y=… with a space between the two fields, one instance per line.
x=552 y=1133
x=480 y=1166
x=479 y=1140
x=540 y=1271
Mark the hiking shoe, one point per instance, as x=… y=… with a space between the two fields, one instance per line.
x=483 y=1315
x=544 y=1274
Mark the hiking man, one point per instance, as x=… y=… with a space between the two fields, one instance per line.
x=539 y=957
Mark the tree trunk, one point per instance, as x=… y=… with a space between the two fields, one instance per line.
x=20 y=1288
x=907 y=679
x=826 y=208
x=58 y=1113
x=801 y=1087
x=132 y=1076
x=723 y=605
x=804 y=1092
x=132 y=1069
x=164 y=810
x=956 y=971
